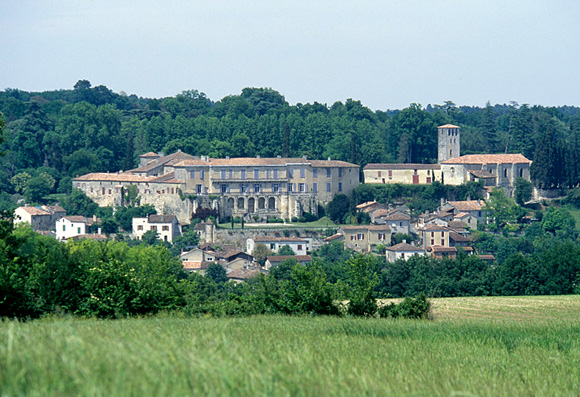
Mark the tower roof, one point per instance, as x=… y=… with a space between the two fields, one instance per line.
x=448 y=126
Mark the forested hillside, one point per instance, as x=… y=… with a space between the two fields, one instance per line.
x=53 y=136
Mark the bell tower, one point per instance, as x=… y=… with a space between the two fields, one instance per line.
x=448 y=142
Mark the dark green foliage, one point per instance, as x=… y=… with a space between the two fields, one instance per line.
x=363 y=279
x=338 y=208
x=77 y=203
x=216 y=272
x=523 y=190
x=286 y=250
x=414 y=308
x=125 y=215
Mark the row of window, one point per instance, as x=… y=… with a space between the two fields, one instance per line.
x=276 y=188
x=269 y=174
x=361 y=236
x=154 y=228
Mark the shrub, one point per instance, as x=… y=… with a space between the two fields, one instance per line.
x=416 y=308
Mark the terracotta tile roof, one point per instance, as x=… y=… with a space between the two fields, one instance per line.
x=171 y=159
x=462 y=215
x=489 y=159
x=397 y=216
x=123 y=177
x=482 y=174
x=150 y=154
x=457 y=225
x=81 y=219
x=53 y=208
x=34 y=211
x=366 y=227
x=195 y=265
x=401 y=166
x=280 y=258
x=458 y=237
x=261 y=239
x=438 y=248
x=432 y=227
x=366 y=204
x=448 y=126
x=243 y=274
x=466 y=205
x=404 y=247
x=92 y=236
x=334 y=237
x=166 y=178
x=487 y=257
x=161 y=218
x=265 y=161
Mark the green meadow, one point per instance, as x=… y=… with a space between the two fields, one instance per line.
x=471 y=346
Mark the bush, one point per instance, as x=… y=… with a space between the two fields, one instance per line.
x=416 y=308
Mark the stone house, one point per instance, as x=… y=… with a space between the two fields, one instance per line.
x=275 y=260
x=433 y=234
x=415 y=174
x=398 y=221
x=166 y=226
x=362 y=238
x=41 y=218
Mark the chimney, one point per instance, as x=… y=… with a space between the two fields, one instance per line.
x=278 y=157
x=442 y=202
x=257 y=156
x=305 y=157
x=468 y=198
x=99 y=231
x=404 y=241
x=94 y=218
x=329 y=159
x=227 y=157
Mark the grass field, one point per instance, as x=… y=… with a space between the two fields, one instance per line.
x=473 y=346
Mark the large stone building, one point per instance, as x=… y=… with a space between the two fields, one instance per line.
x=255 y=188
x=495 y=170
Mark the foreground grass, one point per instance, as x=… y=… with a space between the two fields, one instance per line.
x=511 y=346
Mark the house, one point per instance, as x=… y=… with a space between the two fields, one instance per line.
x=457 y=240
x=275 y=260
x=414 y=174
x=197 y=260
x=397 y=220
x=244 y=274
x=40 y=218
x=433 y=234
x=368 y=206
x=205 y=230
x=230 y=255
x=403 y=251
x=440 y=252
x=298 y=245
x=466 y=218
x=335 y=237
x=166 y=227
x=363 y=238
x=90 y=236
x=71 y=226
x=471 y=207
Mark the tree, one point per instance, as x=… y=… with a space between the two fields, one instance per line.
x=523 y=190
x=363 y=279
x=38 y=187
x=78 y=203
x=150 y=237
x=501 y=208
x=338 y=208
x=260 y=253
x=286 y=250
x=217 y=273
x=186 y=241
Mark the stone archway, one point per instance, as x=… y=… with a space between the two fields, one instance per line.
x=241 y=203
x=271 y=203
x=230 y=203
x=251 y=205
x=261 y=203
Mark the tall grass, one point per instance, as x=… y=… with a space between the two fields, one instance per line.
x=277 y=355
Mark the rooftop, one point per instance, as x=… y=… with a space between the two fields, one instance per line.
x=448 y=126
x=466 y=205
x=280 y=258
x=489 y=159
x=404 y=247
x=401 y=166
x=265 y=161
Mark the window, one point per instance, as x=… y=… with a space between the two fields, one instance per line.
x=109 y=191
x=243 y=188
x=272 y=246
x=153 y=228
x=257 y=188
x=192 y=174
x=275 y=187
x=301 y=187
x=290 y=187
x=328 y=186
x=432 y=234
x=201 y=174
x=224 y=188
x=267 y=174
x=432 y=242
x=79 y=230
x=243 y=176
x=165 y=228
x=199 y=189
x=165 y=238
x=442 y=234
x=64 y=228
x=505 y=172
x=299 y=246
x=231 y=173
x=328 y=173
x=340 y=172
x=223 y=174
x=315 y=172
x=139 y=227
x=521 y=175
x=390 y=174
x=256 y=174
x=302 y=173
x=275 y=174
x=340 y=186
x=360 y=236
x=379 y=174
x=290 y=173
x=315 y=187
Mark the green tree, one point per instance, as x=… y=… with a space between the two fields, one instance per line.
x=338 y=208
x=260 y=253
x=78 y=203
x=217 y=273
x=286 y=250
x=523 y=190
x=363 y=279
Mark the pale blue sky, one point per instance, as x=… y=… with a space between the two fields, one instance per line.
x=387 y=54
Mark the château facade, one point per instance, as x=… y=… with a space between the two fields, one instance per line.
x=255 y=188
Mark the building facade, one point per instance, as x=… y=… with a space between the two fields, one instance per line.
x=254 y=188
x=166 y=227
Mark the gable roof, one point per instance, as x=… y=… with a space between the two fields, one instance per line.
x=365 y=227
x=279 y=239
x=161 y=218
x=489 y=159
x=466 y=205
x=280 y=258
x=262 y=161
x=448 y=126
x=404 y=247
x=401 y=166
x=36 y=211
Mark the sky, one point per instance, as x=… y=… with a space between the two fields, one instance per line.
x=387 y=54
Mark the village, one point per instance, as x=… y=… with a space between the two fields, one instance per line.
x=263 y=192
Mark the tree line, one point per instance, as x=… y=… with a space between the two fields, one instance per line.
x=54 y=136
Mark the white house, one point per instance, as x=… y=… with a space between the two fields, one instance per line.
x=39 y=218
x=403 y=251
x=166 y=227
x=72 y=226
x=298 y=245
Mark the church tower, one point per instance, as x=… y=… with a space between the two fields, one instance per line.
x=448 y=142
